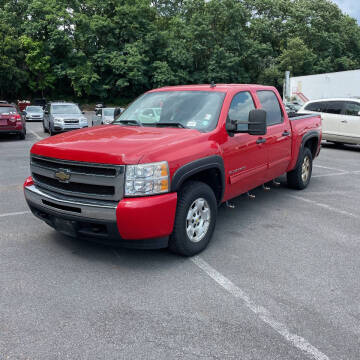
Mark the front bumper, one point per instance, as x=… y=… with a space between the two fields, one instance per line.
x=61 y=127
x=133 y=222
x=31 y=118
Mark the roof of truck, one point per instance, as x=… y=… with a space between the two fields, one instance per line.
x=214 y=87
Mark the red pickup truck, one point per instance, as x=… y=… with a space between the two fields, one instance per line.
x=156 y=176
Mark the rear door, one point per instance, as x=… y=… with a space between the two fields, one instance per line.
x=278 y=136
x=245 y=158
x=331 y=115
x=349 y=126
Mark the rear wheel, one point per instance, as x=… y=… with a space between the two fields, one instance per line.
x=195 y=219
x=44 y=128
x=22 y=135
x=299 y=178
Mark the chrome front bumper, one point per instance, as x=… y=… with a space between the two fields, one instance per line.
x=94 y=209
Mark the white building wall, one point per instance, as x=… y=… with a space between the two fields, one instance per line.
x=330 y=85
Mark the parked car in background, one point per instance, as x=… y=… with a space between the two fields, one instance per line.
x=22 y=104
x=40 y=102
x=292 y=107
x=340 y=116
x=3 y=102
x=63 y=116
x=156 y=184
x=34 y=113
x=11 y=122
x=106 y=116
x=98 y=107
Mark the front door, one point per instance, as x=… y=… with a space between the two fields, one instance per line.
x=244 y=155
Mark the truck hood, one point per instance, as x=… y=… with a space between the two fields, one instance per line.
x=112 y=144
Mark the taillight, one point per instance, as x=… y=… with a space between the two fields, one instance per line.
x=17 y=117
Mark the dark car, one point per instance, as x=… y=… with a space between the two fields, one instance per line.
x=98 y=108
x=11 y=121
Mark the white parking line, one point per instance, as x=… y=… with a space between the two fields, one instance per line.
x=35 y=134
x=296 y=340
x=332 y=174
x=329 y=168
x=15 y=213
x=325 y=206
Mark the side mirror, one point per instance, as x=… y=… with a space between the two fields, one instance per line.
x=256 y=125
x=257 y=122
x=83 y=112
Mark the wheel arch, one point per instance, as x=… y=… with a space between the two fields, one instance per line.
x=209 y=170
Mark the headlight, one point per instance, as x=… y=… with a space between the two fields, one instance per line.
x=147 y=179
x=57 y=120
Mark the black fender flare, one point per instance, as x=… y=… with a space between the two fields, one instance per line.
x=197 y=166
x=309 y=135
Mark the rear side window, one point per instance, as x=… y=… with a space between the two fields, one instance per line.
x=241 y=104
x=352 y=108
x=332 y=107
x=316 y=106
x=270 y=104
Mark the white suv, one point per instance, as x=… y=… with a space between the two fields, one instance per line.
x=340 y=118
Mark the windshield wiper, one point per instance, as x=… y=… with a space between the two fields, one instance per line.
x=177 y=124
x=134 y=122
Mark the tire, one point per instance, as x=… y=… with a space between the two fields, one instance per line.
x=51 y=131
x=191 y=196
x=44 y=128
x=22 y=135
x=299 y=178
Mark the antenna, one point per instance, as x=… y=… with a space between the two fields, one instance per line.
x=212 y=85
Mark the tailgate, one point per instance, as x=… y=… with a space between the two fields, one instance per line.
x=7 y=120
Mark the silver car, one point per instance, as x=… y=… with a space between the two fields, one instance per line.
x=34 y=113
x=105 y=116
x=63 y=116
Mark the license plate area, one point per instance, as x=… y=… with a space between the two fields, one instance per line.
x=65 y=227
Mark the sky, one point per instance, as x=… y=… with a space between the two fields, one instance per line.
x=350 y=7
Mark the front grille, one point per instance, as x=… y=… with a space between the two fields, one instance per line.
x=71 y=121
x=74 y=186
x=87 y=180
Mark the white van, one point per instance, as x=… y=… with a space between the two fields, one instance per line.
x=340 y=118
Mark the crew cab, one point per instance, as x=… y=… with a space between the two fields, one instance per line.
x=11 y=121
x=158 y=184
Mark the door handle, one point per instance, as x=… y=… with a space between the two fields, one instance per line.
x=285 y=133
x=344 y=121
x=261 y=140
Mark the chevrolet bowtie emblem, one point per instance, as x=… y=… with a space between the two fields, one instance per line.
x=63 y=175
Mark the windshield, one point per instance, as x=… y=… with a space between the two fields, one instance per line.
x=7 y=110
x=66 y=109
x=191 y=109
x=108 y=112
x=34 y=109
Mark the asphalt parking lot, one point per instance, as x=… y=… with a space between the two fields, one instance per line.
x=280 y=279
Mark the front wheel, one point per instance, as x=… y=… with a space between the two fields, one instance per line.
x=195 y=219
x=299 y=178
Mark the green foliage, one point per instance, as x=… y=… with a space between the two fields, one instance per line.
x=116 y=49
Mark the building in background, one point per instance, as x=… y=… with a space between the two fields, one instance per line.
x=330 y=85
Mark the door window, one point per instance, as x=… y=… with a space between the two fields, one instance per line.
x=352 y=108
x=315 y=106
x=269 y=102
x=332 y=107
x=241 y=104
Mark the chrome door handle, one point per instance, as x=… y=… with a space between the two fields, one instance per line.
x=285 y=133
x=344 y=121
x=260 y=140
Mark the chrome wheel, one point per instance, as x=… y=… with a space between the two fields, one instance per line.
x=305 y=169
x=198 y=220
